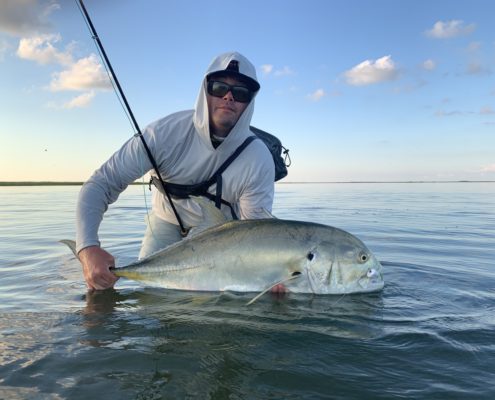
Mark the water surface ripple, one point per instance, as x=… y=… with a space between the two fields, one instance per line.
x=429 y=334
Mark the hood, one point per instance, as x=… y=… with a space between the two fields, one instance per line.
x=200 y=118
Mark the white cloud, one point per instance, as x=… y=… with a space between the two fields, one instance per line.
x=450 y=29
x=85 y=73
x=369 y=72
x=83 y=100
x=269 y=69
x=41 y=49
x=284 y=71
x=24 y=17
x=317 y=95
x=266 y=69
x=28 y=19
x=429 y=65
x=488 y=168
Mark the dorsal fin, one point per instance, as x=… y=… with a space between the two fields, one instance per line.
x=267 y=214
x=212 y=216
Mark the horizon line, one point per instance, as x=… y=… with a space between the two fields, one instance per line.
x=80 y=183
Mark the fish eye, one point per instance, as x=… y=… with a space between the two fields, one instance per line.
x=311 y=256
x=363 y=257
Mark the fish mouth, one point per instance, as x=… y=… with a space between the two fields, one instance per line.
x=372 y=284
x=371 y=281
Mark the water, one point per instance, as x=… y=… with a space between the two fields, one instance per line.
x=429 y=334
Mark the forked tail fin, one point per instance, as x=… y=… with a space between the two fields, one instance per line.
x=71 y=244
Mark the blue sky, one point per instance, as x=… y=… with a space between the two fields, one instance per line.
x=357 y=90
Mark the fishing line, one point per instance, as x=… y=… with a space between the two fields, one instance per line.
x=110 y=78
x=129 y=113
x=116 y=92
x=148 y=220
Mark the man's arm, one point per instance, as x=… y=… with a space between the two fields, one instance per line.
x=102 y=189
x=257 y=197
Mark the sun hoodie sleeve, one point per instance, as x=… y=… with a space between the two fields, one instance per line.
x=257 y=196
x=105 y=185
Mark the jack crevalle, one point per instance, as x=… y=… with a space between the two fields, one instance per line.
x=255 y=255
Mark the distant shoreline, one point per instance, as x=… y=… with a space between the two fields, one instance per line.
x=48 y=183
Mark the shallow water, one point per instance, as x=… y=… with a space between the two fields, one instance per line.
x=429 y=334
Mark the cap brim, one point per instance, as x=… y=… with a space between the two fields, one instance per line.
x=252 y=84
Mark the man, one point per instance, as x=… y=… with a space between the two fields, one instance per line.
x=188 y=147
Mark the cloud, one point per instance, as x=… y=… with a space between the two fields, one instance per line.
x=487 y=111
x=442 y=113
x=317 y=95
x=83 y=100
x=488 y=168
x=269 y=69
x=450 y=29
x=85 y=73
x=410 y=86
x=41 y=49
x=284 y=71
x=476 y=68
x=369 y=72
x=474 y=47
x=429 y=65
x=28 y=19
x=25 y=17
x=266 y=69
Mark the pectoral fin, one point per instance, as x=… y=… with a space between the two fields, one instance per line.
x=295 y=275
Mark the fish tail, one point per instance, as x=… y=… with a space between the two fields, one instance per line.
x=71 y=244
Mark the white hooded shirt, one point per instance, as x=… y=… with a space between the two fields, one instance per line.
x=182 y=148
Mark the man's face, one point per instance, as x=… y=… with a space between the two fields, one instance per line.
x=224 y=112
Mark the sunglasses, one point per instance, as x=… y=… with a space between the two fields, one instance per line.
x=242 y=94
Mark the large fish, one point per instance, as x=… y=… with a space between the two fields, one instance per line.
x=256 y=255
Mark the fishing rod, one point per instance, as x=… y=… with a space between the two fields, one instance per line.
x=130 y=114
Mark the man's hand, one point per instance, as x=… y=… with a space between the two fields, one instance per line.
x=96 y=264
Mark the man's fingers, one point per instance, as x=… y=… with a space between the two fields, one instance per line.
x=103 y=279
x=96 y=268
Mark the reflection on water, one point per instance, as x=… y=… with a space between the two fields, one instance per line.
x=219 y=340
x=429 y=334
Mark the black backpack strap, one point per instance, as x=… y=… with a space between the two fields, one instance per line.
x=224 y=202
x=229 y=160
x=201 y=189
x=217 y=176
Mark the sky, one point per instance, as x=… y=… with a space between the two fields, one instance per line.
x=383 y=90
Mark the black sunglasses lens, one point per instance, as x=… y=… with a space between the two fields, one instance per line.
x=218 y=89
x=239 y=93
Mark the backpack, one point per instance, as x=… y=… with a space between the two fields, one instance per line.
x=201 y=189
x=276 y=149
